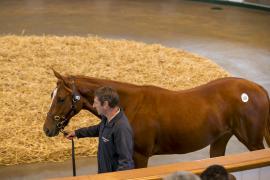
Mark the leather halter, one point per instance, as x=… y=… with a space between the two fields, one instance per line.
x=62 y=121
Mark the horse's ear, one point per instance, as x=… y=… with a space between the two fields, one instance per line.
x=60 y=77
x=57 y=75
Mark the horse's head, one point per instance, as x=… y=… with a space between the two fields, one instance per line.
x=66 y=102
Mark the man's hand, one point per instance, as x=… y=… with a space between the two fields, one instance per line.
x=71 y=135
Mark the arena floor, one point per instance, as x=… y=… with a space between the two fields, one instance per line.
x=235 y=38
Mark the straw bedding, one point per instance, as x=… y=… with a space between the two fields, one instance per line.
x=26 y=82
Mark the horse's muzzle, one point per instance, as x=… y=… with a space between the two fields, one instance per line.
x=50 y=130
x=50 y=133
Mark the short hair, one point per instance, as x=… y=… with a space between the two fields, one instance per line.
x=215 y=172
x=182 y=175
x=107 y=94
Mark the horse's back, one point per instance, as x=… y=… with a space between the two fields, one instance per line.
x=230 y=92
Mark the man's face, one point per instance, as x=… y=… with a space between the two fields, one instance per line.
x=97 y=105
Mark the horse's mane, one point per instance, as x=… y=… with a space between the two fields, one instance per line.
x=99 y=80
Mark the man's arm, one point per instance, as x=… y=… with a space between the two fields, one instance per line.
x=124 y=148
x=91 y=131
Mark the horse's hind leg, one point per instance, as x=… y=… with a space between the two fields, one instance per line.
x=251 y=135
x=252 y=143
x=218 y=147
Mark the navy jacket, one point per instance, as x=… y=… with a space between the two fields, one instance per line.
x=115 y=148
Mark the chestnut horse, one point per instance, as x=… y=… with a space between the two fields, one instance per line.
x=173 y=122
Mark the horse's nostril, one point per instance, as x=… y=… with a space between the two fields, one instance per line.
x=46 y=130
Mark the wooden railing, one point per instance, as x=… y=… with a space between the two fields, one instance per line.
x=233 y=163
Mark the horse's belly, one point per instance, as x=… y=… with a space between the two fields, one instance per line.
x=178 y=144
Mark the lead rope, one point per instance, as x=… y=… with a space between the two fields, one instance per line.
x=73 y=159
x=72 y=152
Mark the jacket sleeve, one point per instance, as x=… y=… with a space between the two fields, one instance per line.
x=91 y=131
x=123 y=139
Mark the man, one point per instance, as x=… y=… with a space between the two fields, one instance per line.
x=216 y=172
x=115 y=149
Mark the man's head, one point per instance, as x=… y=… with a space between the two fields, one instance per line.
x=215 y=172
x=106 y=98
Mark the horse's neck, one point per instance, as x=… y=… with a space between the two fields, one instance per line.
x=92 y=84
x=87 y=86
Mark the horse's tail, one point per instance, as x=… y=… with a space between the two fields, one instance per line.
x=267 y=127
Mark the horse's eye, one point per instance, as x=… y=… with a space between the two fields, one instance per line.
x=61 y=100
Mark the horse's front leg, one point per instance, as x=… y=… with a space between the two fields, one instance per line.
x=140 y=160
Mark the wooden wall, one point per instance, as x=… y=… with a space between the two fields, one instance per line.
x=240 y=164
